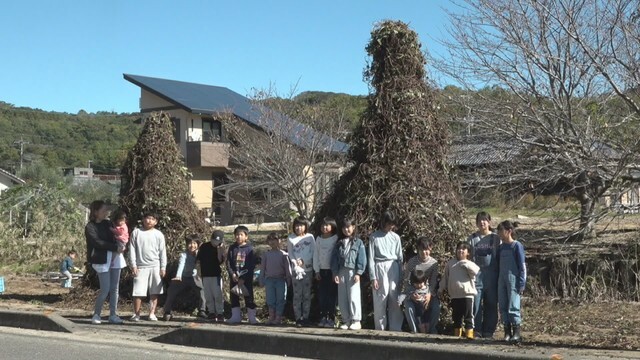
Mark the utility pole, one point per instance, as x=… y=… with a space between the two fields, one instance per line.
x=21 y=143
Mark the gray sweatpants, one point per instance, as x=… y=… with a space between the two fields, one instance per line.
x=302 y=296
x=349 y=296
x=387 y=314
x=214 y=299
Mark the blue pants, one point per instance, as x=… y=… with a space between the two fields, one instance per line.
x=276 y=289
x=109 y=287
x=327 y=291
x=485 y=303
x=433 y=310
x=508 y=295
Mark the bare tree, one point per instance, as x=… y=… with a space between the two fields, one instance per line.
x=561 y=80
x=289 y=160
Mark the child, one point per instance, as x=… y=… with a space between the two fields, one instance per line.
x=148 y=260
x=327 y=289
x=429 y=266
x=66 y=266
x=275 y=276
x=348 y=263
x=460 y=282
x=420 y=297
x=385 y=271
x=186 y=278
x=211 y=256
x=240 y=265
x=511 y=280
x=484 y=247
x=120 y=229
x=300 y=247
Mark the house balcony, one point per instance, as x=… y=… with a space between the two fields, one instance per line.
x=207 y=154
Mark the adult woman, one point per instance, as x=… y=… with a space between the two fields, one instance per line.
x=105 y=258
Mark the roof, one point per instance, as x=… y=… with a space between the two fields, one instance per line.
x=13 y=178
x=208 y=99
x=492 y=152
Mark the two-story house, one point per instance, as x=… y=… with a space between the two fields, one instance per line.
x=195 y=110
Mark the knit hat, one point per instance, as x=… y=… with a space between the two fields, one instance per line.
x=217 y=237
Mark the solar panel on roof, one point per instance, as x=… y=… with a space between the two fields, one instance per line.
x=208 y=99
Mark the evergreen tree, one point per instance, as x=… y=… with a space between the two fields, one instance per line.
x=154 y=178
x=399 y=150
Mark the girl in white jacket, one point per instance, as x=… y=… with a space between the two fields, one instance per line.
x=459 y=280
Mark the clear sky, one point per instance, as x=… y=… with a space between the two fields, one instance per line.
x=68 y=55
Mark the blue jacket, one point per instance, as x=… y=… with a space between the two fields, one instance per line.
x=355 y=259
x=241 y=259
x=66 y=264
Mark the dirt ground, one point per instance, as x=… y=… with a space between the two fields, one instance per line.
x=559 y=323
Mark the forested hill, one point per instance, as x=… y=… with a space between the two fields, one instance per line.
x=57 y=139
x=64 y=140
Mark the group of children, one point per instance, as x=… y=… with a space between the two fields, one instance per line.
x=487 y=272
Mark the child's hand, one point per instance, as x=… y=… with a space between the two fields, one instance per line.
x=336 y=279
x=134 y=271
x=318 y=277
x=300 y=262
x=375 y=285
x=356 y=278
x=163 y=273
x=427 y=299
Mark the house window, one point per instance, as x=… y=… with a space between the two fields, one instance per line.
x=211 y=130
x=84 y=173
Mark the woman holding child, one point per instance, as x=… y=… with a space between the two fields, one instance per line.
x=105 y=256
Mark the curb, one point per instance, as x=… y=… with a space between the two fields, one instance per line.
x=322 y=346
x=45 y=320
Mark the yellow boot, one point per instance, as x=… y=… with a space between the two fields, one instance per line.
x=468 y=333
x=457 y=332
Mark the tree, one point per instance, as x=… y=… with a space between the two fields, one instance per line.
x=289 y=163
x=561 y=80
x=399 y=150
x=38 y=223
x=154 y=178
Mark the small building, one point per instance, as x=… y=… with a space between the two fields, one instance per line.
x=79 y=174
x=195 y=111
x=8 y=180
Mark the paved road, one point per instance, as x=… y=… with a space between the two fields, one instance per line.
x=20 y=344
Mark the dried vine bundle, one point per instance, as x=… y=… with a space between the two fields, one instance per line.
x=399 y=149
x=154 y=178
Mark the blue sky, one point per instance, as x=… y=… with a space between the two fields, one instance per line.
x=68 y=55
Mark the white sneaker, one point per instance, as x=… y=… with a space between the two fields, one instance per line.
x=115 y=320
x=355 y=325
x=135 y=317
x=344 y=327
x=153 y=317
x=96 y=320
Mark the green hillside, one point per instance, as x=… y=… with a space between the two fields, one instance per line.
x=55 y=139
x=63 y=140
